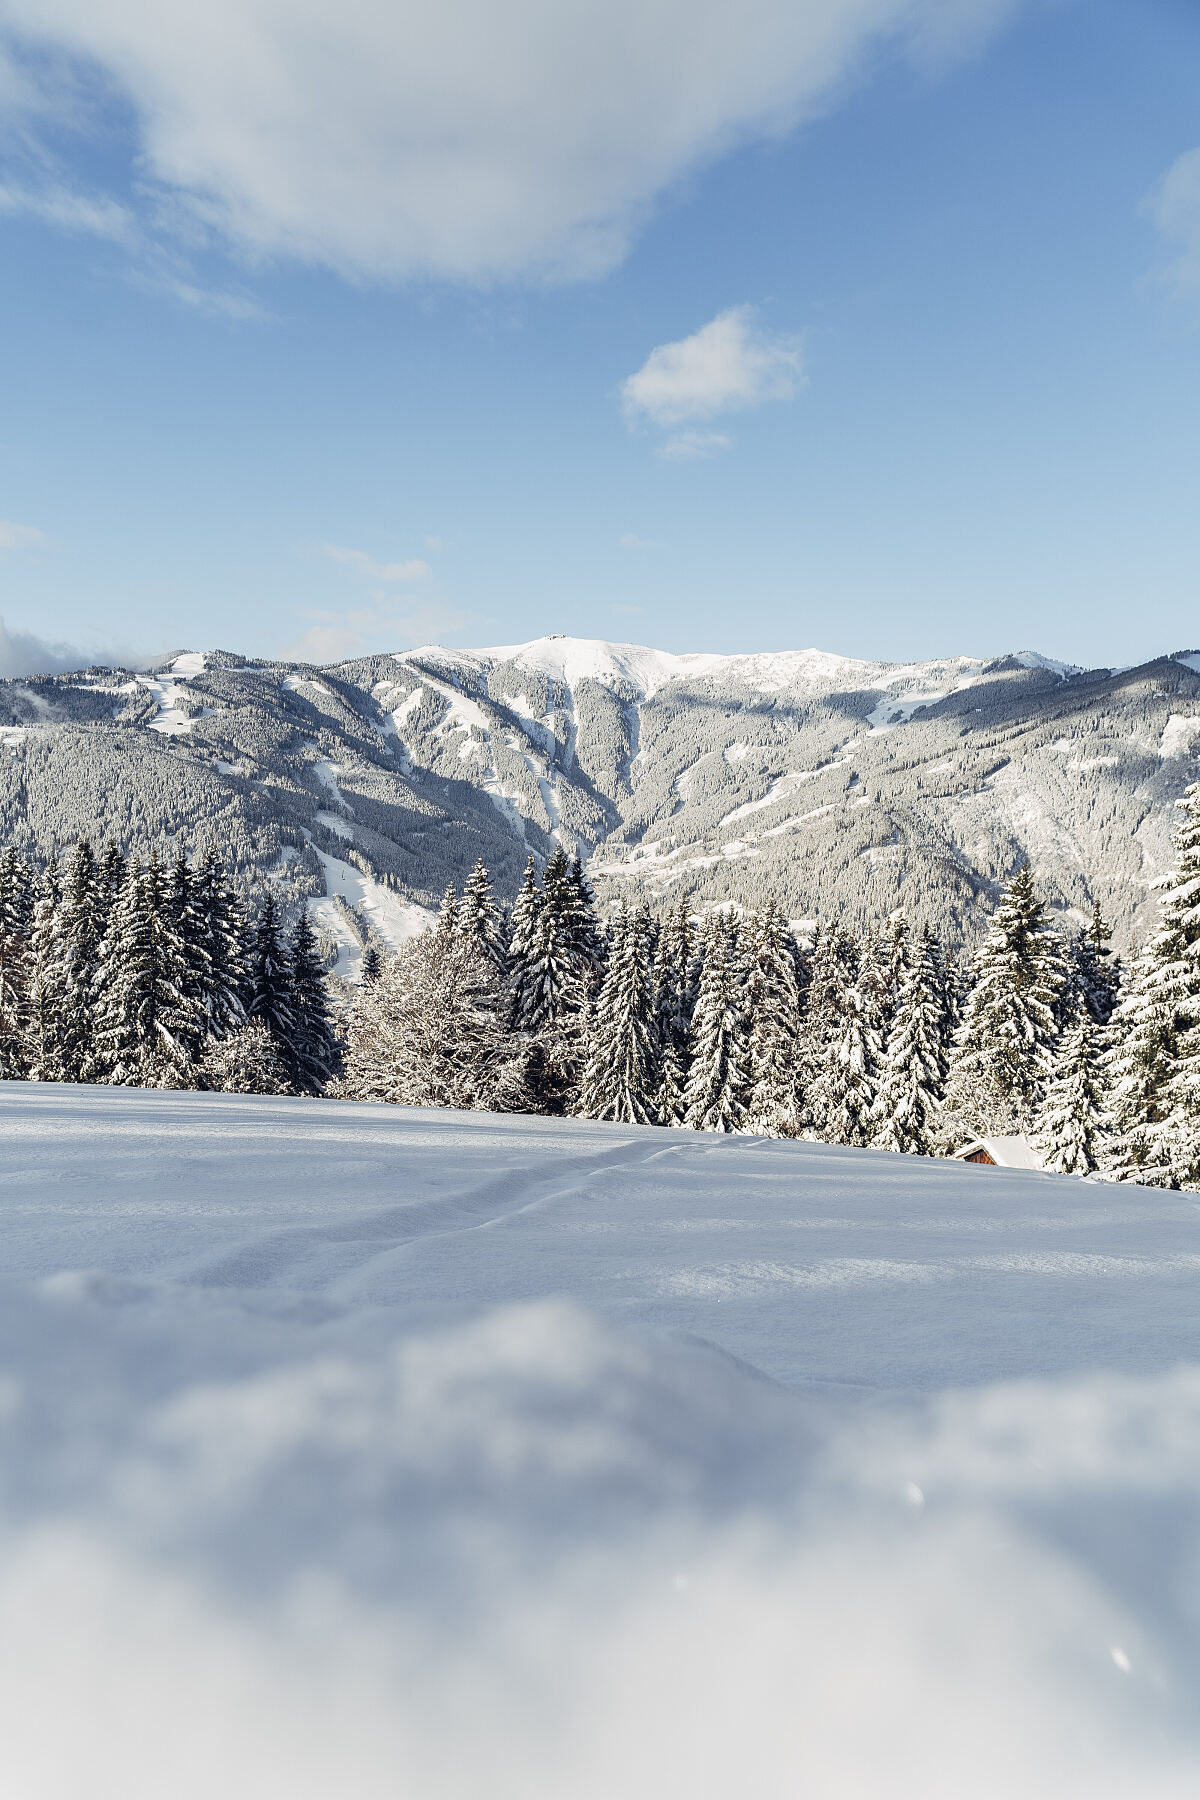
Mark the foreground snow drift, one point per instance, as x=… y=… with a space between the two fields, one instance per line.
x=380 y=1453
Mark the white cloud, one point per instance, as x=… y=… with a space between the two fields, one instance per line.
x=1175 y=207
x=631 y=541
x=68 y=209
x=19 y=537
x=694 y=446
x=726 y=366
x=23 y=653
x=466 y=140
x=362 y=564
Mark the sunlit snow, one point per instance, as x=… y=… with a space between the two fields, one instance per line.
x=368 y=1452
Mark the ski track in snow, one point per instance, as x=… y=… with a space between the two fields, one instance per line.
x=395 y=920
x=169 y=719
x=367 y=1451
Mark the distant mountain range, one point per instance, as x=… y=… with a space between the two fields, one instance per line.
x=843 y=786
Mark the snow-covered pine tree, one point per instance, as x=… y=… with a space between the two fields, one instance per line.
x=551 y=991
x=587 y=942
x=1001 y=1053
x=480 y=920
x=222 y=947
x=772 y=1004
x=372 y=964
x=1093 y=972
x=913 y=1079
x=16 y=925
x=70 y=977
x=1154 y=1066
x=139 y=999
x=523 y=921
x=433 y=1031
x=719 y=1077
x=447 y=919
x=43 y=994
x=313 y=1054
x=181 y=913
x=846 y=1085
x=1070 y=1134
x=621 y=1080
x=245 y=1062
x=833 y=973
x=674 y=1002
x=270 y=985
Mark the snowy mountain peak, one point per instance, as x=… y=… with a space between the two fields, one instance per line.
x=646 y=670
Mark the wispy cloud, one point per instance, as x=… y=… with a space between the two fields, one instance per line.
x=19 y=537
x=415 y=569
x=631 y=541
x=729 y=365
x=693 y=446
x=1174 y=205
x=69 y=209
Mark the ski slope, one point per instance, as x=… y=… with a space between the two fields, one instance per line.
x=378 y=1452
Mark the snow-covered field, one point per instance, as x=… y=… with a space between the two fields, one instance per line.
x=359 y=1452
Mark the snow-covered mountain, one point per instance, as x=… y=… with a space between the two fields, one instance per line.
x=841 y=785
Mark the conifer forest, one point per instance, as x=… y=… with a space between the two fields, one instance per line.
x=142 y=974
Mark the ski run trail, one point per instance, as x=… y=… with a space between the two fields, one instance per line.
x=407 y=1455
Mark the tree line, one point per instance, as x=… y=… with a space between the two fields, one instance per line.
x=729 y=1022
x=117 y=971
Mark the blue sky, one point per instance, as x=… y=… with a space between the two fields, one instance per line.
x=866 y=324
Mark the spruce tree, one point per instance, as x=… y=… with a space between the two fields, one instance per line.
x=480 y=920
x=1154 y=1067
x=621 y=1079
x=1070 y=1128
x=844 y=1091
x=71 y=974
x=370 y=966
x=43 y=1006
x=1002 y=1050
x=1093 y=972
x=772 y=1004
x=16 y=926
x=138 y=1038
x=719 y=1078
x=220 y=952
x=832 y=1054
x=312 y=1054
x=586 y=940
x=523 y=927
x=913 y=1079
x=674 y=1002
x=447 y=919
x=270 y=995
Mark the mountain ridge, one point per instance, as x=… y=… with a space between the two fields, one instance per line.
x=840 y=785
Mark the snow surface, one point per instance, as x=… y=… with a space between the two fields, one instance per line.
x=570 y=660
x=1179 y=736
x=378 y=1453
x=170 y=720
x=395 y=920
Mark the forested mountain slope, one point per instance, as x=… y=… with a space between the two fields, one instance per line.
x=842 y=786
